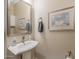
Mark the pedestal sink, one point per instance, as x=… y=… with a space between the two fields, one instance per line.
x=23 y=47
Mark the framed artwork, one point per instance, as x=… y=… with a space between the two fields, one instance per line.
x=62 y=19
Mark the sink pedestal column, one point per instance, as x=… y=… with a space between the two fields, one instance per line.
x=26 y=55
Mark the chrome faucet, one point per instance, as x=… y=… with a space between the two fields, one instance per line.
x=23 y=40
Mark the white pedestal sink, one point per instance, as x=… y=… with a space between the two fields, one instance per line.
x=21 y=47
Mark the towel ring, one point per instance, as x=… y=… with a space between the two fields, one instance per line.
x=40 y=19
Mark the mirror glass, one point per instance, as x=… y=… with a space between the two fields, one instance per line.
x=19 y=17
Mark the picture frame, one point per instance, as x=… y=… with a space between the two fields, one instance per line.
x=62 y=19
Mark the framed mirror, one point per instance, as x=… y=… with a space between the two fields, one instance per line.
x=19 y=18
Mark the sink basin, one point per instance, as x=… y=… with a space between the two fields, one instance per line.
x=21 y=47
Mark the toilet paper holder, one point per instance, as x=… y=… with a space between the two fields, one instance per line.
x=68 y=56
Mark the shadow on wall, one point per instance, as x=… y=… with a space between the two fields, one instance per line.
x=39 y=56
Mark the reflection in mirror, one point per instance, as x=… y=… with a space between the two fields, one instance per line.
x=19 y=18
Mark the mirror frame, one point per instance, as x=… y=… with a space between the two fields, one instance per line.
x=8 y=30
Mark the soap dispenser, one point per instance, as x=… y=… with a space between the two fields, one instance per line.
x=69 y=55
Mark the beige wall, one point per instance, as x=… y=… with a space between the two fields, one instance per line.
x=55 y=44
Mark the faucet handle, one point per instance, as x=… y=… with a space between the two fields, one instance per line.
x=23 y=38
